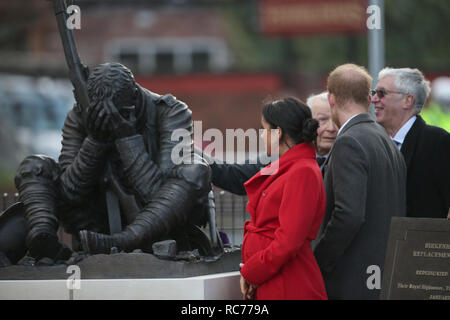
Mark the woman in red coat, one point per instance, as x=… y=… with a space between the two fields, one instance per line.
x=286 y=206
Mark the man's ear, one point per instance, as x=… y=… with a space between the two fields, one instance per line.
x=409 y=101
x=331 y=100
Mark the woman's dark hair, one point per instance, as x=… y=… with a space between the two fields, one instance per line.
x=293 y=117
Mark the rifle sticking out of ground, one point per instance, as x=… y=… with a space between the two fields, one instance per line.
x=78 y=72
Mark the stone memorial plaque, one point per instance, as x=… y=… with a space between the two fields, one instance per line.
x=417 y=264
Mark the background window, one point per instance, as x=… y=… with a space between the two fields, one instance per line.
x=164 y=62
x=200 y=61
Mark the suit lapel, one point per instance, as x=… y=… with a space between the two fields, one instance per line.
x=325 y=164
x=410 y=142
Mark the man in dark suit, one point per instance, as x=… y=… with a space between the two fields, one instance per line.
x=365 y=178
x=398 y=100
x=231 y=177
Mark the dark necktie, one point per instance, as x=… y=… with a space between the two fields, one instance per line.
x=321 y=160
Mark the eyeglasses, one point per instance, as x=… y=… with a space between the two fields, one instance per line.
x=382 y=92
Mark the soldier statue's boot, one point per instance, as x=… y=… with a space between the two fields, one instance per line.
x=36 y=181
x=170 y=209
x=96 y=243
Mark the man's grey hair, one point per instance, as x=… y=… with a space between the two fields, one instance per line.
x=321 y=96
x=409 y=81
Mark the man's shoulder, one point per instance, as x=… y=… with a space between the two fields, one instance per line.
x=364 y=132
x=433 y=131
x=362 y=123
x=427 y=136
x=347 y=147
x=363 y=141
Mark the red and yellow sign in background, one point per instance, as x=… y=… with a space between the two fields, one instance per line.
x=307 y=17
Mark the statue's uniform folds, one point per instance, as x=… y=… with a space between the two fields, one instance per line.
x=156 y=196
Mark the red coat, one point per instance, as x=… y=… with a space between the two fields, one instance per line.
x=286 y=210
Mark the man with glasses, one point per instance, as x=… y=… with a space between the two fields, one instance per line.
x=398 y=100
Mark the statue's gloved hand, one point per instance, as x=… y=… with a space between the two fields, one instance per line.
x=97 y=118
x=123 y=123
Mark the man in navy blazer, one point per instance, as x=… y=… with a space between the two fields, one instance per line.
x=398 y=100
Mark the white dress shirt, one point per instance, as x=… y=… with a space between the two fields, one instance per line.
x=401 y=134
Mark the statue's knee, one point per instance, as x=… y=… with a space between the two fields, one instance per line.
x=198 y=175
x=36 y=167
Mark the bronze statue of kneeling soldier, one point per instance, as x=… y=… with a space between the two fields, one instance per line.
x=115 y=185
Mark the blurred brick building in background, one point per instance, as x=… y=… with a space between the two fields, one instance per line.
x=179 y=50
